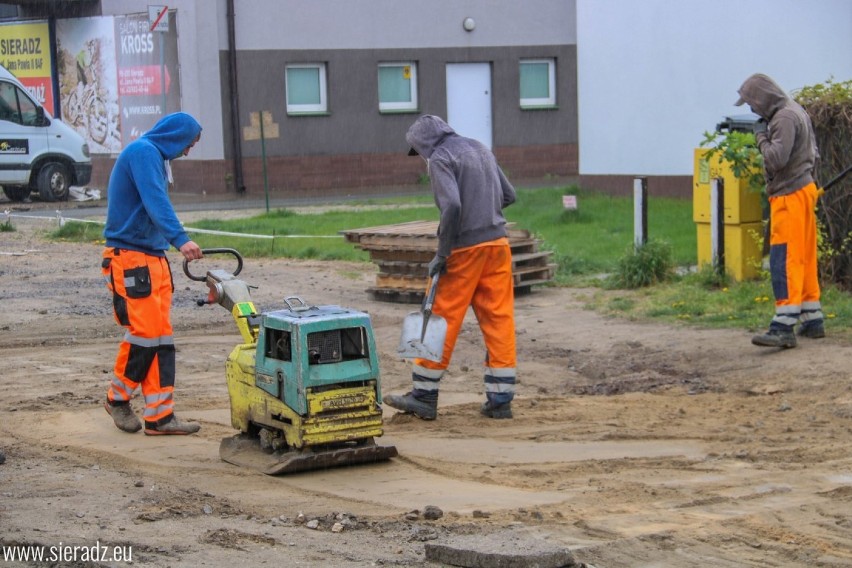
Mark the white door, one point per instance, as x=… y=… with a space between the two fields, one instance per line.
x=20 y=139
x=469 y=100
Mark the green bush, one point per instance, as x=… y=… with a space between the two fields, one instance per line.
x=643 y=266
x=740 y=150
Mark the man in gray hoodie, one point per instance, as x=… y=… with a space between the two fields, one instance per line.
x=475 y=262
x=785 y=137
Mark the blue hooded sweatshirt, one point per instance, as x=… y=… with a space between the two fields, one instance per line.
x=140 y=216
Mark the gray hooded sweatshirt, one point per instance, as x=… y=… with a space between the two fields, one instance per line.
x=470 y=188
x=789 y=146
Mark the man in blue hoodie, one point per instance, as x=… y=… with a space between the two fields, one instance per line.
x=141 y=224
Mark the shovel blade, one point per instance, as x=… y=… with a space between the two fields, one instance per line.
x=415 y=343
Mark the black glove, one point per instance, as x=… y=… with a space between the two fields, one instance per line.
x=437 y=265
x=759 y=127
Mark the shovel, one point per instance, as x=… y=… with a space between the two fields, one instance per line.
x=423 y=334
x=836 y=179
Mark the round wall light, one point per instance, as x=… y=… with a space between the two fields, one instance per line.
x=468 y=24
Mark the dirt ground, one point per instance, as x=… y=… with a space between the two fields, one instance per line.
x=633 y=444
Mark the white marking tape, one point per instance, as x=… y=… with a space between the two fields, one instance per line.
x=62 y=220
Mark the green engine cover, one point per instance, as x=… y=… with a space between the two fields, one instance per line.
x=314 y=347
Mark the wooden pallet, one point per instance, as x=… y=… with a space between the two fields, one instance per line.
x=402 y=252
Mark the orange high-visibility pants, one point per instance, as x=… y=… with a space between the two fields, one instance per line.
x=481 y=277
x=793 y=257
x=142 y=288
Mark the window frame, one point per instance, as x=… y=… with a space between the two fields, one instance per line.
x=397 y=107
x=540 y=102
x=311 y=108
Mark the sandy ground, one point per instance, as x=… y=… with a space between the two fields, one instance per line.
x=633 y=444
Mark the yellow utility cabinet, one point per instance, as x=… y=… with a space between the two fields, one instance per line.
x=743 y=215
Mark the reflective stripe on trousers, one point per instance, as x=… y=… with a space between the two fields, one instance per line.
x=793 y=257
x=142 y=296
x=480 y=277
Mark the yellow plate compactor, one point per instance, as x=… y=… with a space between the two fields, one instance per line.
x=304 y=384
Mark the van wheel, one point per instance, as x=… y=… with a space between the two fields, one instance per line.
x=17 y=192
x=53 y=182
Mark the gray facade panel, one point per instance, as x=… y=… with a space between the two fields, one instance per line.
x=354 y=124
x=383 y=24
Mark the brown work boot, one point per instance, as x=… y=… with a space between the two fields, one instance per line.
x=122 y=415
x=813 y=329
x=174 y=427
x=498 y=411
x=408 y=403
x=783 y=338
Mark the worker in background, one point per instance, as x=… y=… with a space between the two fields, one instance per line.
x=140 y=225
x=475 y=263
x=785 y=138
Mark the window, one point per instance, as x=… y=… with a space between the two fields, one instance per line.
x=397 y=86
x=306 y=91
x=538 y=83
x=16 y=107
x=278 y=344
x=337 y=345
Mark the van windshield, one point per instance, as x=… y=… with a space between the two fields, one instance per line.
x=17 y=107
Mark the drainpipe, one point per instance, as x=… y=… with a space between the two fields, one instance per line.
x=235 y=102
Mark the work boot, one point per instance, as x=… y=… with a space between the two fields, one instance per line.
x=775 y=338
x=423 y=409
x=174 y=427
x=123 y=416
x=498 y=411
x=813 y=329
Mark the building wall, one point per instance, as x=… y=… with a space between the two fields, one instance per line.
x=355 y=146
x=354 y=123
x=387 y=24
x=355 y=133
x=655 y=75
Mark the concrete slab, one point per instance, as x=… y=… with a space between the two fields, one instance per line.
x=504 y=549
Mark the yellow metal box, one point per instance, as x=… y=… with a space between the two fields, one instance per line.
x=741 y=205
x=743 y=250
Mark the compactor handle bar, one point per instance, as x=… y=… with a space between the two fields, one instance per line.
x=205 y=252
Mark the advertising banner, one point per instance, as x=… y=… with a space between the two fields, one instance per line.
x=88 y=92
x=117 y=78
x=148 y=80
x=25 y=52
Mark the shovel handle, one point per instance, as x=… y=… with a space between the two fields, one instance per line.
x=838 y=177
x=430 y=295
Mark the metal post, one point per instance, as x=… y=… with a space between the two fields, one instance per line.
x=640 y=212
x=233 y=95
x=163 y=70
x=263 y=156
x=717 y=224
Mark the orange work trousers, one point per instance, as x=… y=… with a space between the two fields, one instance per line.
x=793 y=257
x=142 y=288
x=479 y=277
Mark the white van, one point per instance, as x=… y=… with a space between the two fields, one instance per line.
x=37 y=152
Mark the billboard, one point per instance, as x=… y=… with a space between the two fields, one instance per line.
x=117 y=78
x=25 y=52
x=147 y=62
x=85 y=60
